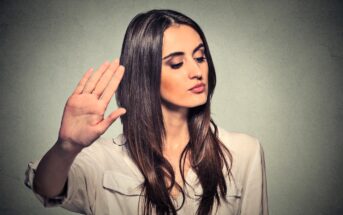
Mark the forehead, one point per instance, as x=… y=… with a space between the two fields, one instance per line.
x=180 y=38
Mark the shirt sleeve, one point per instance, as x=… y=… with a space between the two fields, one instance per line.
x=79 y=194
x=255 y=198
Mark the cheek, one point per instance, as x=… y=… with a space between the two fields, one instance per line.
x=204 y=68
x=170 y=85
x=166 y=84
x=174 y=85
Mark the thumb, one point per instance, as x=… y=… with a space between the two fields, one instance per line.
x=103 y=125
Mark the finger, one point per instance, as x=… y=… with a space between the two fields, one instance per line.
x=83 y=81
x=106 y=123
x=93 y=80
x=106 y=78
x=112 y=85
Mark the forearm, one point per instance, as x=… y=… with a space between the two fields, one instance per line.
x=52 y=171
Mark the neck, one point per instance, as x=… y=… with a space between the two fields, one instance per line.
x=176 y=127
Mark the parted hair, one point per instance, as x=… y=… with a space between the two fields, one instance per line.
x=143 y=127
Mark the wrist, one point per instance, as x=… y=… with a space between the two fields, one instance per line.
x=68 y=148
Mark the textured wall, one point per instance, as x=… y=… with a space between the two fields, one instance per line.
x=279 y=67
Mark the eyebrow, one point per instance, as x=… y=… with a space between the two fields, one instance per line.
x=182 y=53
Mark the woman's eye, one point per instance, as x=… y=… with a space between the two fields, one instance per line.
x=176 y=66
x=200 y=59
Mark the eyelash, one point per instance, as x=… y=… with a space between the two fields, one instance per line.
x=178 y=65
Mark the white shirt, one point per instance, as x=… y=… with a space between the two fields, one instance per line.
x=104 y=180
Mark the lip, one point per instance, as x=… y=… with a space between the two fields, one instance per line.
x=198 y=88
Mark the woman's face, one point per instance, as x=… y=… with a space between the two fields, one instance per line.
x=184 y=75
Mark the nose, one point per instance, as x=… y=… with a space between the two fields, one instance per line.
x=194 y=70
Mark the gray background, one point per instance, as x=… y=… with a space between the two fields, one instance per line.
x=279 y=66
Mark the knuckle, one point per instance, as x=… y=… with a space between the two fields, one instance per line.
x=71 y=102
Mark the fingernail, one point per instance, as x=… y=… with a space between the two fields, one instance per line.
x=116 y=61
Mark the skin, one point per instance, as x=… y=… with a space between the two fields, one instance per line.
x=83 y=122
x=83 y=119
x=182 y=71
x=178 y=75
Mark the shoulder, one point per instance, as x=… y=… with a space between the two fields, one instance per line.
x=103 y=148
x=238 y=140
x=242 y=146
x=247 y=155
x=107 y=154
x=104 y=145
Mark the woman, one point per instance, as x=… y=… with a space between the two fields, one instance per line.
x=171 y=157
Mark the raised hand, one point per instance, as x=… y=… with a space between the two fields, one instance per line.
x=83 y=119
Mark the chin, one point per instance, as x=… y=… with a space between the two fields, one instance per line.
x=188 y=101
x=197 y=103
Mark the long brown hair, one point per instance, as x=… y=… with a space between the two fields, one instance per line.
x=143 y=128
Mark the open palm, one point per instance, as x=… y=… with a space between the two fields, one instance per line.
x=84 y=118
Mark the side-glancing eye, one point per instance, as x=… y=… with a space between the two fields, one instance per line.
x=176 y=66
x=200 y=59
